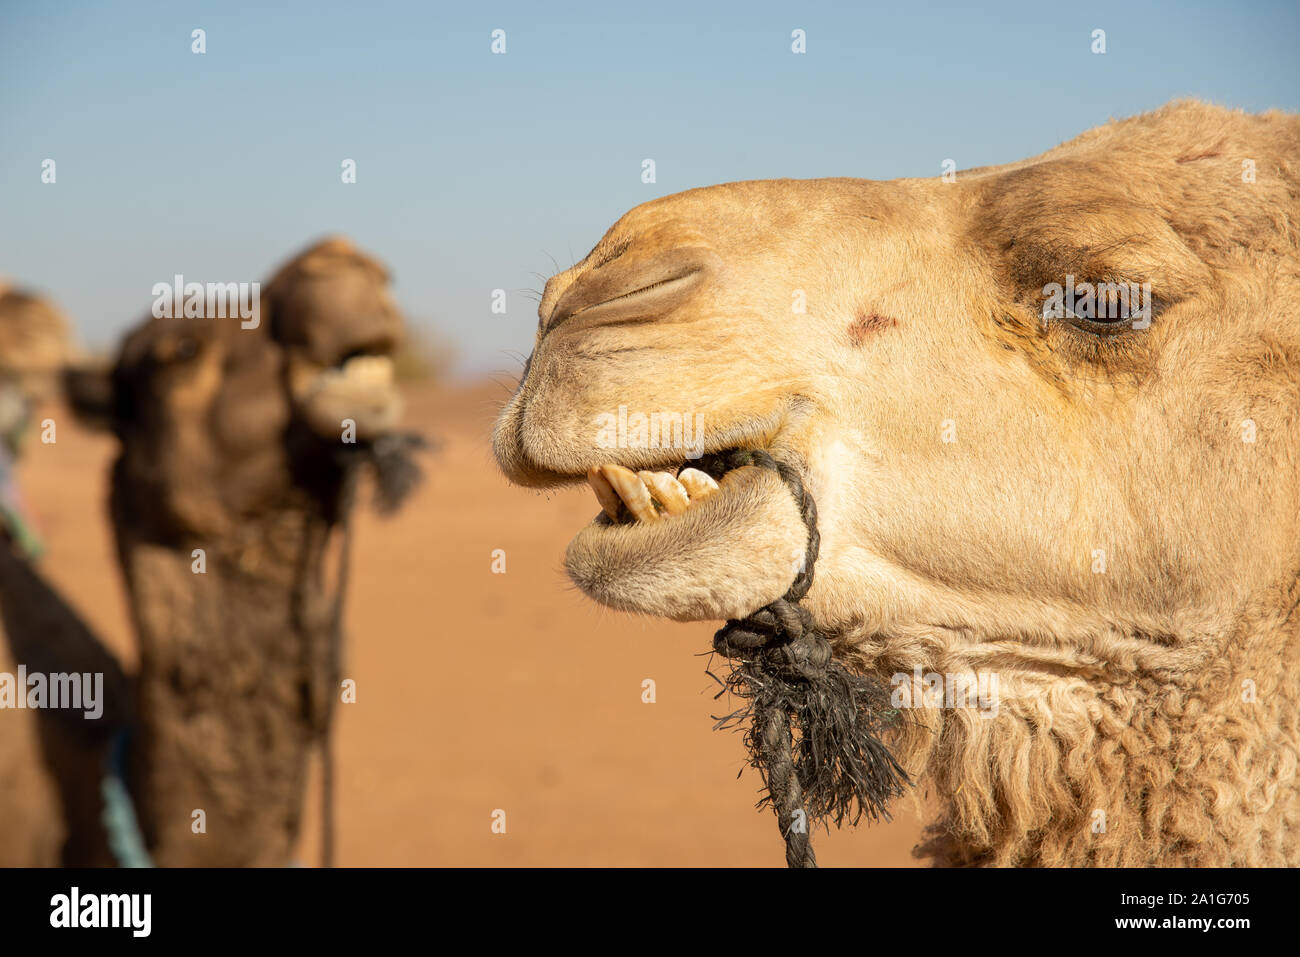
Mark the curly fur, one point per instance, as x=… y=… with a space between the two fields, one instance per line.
x=1190 y=765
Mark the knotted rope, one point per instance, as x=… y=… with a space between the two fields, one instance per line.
x=836 y=768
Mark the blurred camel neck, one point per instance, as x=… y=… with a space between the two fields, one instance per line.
x=232 y=686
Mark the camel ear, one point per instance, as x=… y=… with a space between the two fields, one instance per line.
x=89 y=391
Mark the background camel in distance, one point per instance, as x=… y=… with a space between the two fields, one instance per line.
x=241 y=442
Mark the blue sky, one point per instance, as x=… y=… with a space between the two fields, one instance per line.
x=478 y=171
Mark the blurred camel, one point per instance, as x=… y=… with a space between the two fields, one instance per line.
x=239 y=453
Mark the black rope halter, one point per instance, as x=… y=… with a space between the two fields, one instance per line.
x=396 y=475
x=836 y=768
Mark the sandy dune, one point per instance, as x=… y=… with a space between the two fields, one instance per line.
x=479 y=691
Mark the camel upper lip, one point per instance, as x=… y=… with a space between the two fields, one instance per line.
x=522 y=467
x=529 y=472
x=383 y=346
x=540 y=476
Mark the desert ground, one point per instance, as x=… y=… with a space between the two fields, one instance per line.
x=479 y=692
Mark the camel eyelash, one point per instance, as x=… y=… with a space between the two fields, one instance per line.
x=1105 y=306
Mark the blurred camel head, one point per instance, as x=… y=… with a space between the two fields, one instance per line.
x=36 y=342
x=1108 y=485
x=218 y=420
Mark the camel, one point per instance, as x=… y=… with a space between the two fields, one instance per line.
x=37 y=341
x=50 y=761
x=238 y=447
x=1098 y=507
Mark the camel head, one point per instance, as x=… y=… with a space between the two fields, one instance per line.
x=988 y=467
x=35 y=342
x=1049 y=416
x=219 y=417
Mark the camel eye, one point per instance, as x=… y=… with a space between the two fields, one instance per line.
x=1106 y=308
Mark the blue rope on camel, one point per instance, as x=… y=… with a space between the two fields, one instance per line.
x=813 y=725
x=120 y=823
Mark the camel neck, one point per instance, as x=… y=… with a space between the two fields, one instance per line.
x=232 y=654
x=1150 y=768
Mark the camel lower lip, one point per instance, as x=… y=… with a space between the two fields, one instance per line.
x=723 y=556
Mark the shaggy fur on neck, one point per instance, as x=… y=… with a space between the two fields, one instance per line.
x=1120 y=752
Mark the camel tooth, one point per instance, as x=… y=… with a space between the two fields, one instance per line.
x=667 y=491
x=605 y=494
x=629 y=488
x=698 y=484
